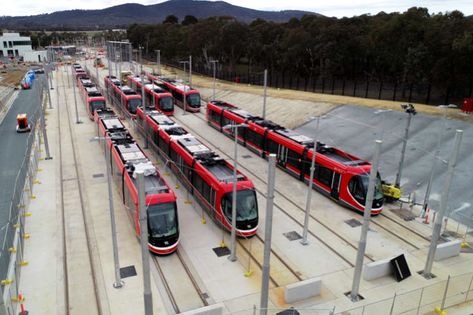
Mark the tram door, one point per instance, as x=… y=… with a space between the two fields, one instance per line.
x=282 y=155
x=334 y=193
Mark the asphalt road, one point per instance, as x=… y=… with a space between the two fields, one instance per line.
x=354 y=129
x=13 y=147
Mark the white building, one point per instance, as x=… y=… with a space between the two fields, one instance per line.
x=14 y=45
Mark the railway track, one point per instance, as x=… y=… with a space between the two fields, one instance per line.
x=348 y=257
x=416 y=240
x=278 y=275
x=75 y=228
x=181 y=286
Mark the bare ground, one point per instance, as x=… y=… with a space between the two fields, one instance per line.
x=293 y=108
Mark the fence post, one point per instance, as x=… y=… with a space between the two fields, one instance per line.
x=354 y=88
x=447 y=96
x=410 y=92
x=394 y=91
x=392 y=305
x=367 y=88
x=445 y=293
x=420 y=300
x=343 y=86
x=427 y=99
x=333 y=85
x=380 y=90
x=323 y=85
x=469 y=288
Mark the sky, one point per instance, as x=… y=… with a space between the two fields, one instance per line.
x=338 y=8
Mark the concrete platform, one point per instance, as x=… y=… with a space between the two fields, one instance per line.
x=223 y=281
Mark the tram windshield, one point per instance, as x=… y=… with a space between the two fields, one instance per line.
x=358 y=187
x=94 y=105
x=193 y=100
x=247 y=206
x=166 y=103
x=162 y=219
x=133 y=105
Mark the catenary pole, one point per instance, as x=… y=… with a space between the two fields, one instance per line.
x=75 y=100
x=366 y=221
x=267 y=235
x=147 y=297
x=118 y=281
x=427 y=272
x=264 y=92
x=410 y=111
x=308 y=202
x=232 y=256
x=214 y=62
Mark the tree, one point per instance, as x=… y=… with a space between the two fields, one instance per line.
x=171 y=19
x=189 y=19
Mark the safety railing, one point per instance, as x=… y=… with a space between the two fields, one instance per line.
x=438 y=296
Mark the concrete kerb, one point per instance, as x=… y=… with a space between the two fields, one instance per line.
x=447 y=250
x=377 y=269
x=216 y=309
x=302 y=290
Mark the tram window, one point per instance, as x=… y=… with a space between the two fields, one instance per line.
x=178 y=96
x=293 y=158
x=226 y=121
x=271 y=146
x=197 y=182
x=174 y=156
x=355 y=186
x=325 y=176
x=215 y=116
x=254 y=137
x=206 y=191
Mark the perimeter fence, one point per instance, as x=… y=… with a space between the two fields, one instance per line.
x=13 y=232
x=391 y=90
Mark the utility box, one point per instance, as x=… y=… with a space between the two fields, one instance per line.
x=467 y=106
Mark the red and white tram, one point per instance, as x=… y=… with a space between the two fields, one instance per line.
x=210 y=176
x=91 y=95
x=122 y=96
x=126 y=158
x=163 y=100
x=179 y=91
x=338 y=175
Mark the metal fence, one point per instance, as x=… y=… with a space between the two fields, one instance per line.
x=425 y=93
x=14 y=232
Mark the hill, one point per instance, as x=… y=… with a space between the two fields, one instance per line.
x=126 y=14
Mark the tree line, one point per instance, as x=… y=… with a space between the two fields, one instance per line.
x=412 y=48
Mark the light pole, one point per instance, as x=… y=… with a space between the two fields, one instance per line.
x=214 y=62
x=268 y=235
x=411 y=111
x=141 y=58
x=427 y=272
x=309 y=191
x=158 y=60
x=232 y=256
x=75 y=99
x=264 y=92
x=118 y=281
x=185 y=101
x=147 y=295
x=366 y=221
x=435 y=157
x=190 y=71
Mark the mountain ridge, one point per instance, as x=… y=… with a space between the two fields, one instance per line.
x=129 y=13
